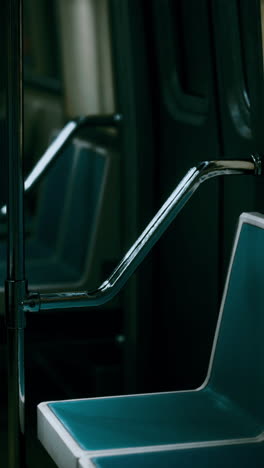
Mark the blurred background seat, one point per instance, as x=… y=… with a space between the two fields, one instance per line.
x=72 y=205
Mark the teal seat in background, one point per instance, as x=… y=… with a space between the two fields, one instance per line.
x=50 y=207
x=68 y=205
x=43 y=238
x=221 y=420
x=66 y=221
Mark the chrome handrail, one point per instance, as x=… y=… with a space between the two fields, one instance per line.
x=203 y=171
x=62 y=139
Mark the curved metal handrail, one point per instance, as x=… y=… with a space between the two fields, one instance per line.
x=136 y=254
x=63 y=138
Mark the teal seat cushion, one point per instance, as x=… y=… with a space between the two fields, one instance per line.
x=156 y=419
x=229 y=456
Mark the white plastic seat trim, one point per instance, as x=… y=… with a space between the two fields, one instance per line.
x=66 y=453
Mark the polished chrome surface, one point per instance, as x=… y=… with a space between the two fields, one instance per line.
x=64 y=137
x=50 y=154
x=59 y=143
x=16 y=269
x=16 y=398
x=154 y=230
x=258 y=164
x=15 y=285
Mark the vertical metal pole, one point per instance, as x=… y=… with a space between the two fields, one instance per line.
x=15 y=286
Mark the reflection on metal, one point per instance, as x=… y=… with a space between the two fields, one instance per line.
x=64 y=137
x=48 y=156
x=155 y=229
x=258 y=164
x=15 y=285
x=58 y=145
x=16 y=397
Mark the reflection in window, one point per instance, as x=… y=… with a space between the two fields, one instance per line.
x=41 y=44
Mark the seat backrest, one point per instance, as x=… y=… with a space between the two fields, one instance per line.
x=82 y=204
x=237 y=363
x=53 y=192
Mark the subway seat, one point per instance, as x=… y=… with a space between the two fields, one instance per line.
x=66 y=217
x=219 y=424
x=71 y=197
